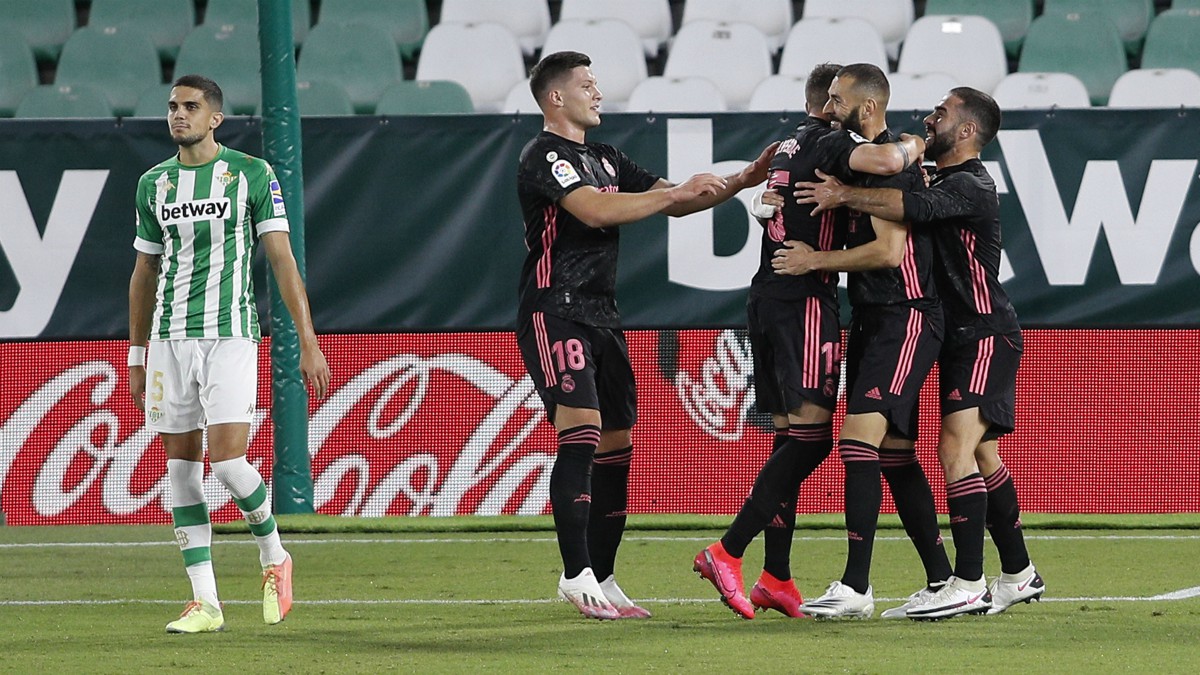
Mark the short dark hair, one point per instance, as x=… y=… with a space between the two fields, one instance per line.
x=868 y=80
x=212 y=92
x=981 y=109
x=816 y=90
x=551 y=68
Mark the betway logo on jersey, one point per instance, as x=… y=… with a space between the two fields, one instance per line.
x=199 y=209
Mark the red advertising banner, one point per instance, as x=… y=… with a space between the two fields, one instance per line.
x=447 y=423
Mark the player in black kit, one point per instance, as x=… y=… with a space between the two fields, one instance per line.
x=979 y=359
x=895 y=333
x=795 y=335
x=573 y=194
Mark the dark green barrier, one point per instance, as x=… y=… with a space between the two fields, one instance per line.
x=412 y=223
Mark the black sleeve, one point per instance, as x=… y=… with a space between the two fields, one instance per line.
x=833 y=154
x=632 y=177
x=955 y=197
x=550 y=170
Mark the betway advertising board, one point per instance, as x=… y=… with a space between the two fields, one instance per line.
x=446 y=424
x=413 y=223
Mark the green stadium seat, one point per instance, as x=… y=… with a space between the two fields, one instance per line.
x=240 y=13
x=46 y=24
x=1012 y=17
x=18 y=70
x=229 y=55
x=114 y=60
x=1174 y=40
x=1085 y=45
x=53 y=101
x=1131 y=17
x=425 y=97
x=406 y=20
x=153 y=101
x=322 y=97
x=1185 y=4
x=361 y=57
x=165 y=22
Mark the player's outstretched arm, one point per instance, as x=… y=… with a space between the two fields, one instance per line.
x=754 y=173
x=887 y=159
x=312 y=362
x=608 y=209
x=142 y=285
x=830 y=193
x=885 y=251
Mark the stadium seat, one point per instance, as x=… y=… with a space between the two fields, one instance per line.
x=650 y=19
x=1156 y=88
x=1131 y=17
x=1185 y=4
x=1041 y=90
x=1012 y=17
x=362 y=58
x=520 y=100
x=919 y=91
x=890 y=17
x=240 y=13
x=968 y=48
x=617 y=59
x=484 y=58
x=407 y=21
x=18 y=70
x=779 y=93
x=165 y=22
x=1085 y=45
x=229 y=55
x=733 y=56
x=1174 y=40
x=322 y=97
x=46 y=24
x=527 y=20
x=772 y=17
x=119 y=63
x=153 y=101
x=55 y=101
x=842 y=41
x=669 y=94
x=419 y=97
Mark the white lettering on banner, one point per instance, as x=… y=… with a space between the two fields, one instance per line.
x=718 y=402
x=1138 y=247
x=997 y=173
x=41 y=263
x=114 y=460
x=690 y=239
x=440 y=494
x=1195 y=249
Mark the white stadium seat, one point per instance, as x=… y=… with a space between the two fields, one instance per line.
x=772 y=17
x=650 y=19
x=918 y=91
x=779 y=93
x=890 y=17
x=1041 y=90
x=528 y=20
x=831 y=40
x=968 y=48
x=733 y=56
x=520 y=100
x=616 y=51
x=1156 y=88
x=484 y=58
x=668 y=94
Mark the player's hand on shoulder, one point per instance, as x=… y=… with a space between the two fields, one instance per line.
x=827 y=194
x=756 y=172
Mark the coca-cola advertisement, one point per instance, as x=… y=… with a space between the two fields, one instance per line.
x=441 y=424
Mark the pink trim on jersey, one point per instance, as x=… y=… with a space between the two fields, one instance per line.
x=983 y=360
x=543 y=345
x=908 y=268
x=549 y=232
x=965 y=486
x=811 y=368
x=979 y=285
x=908 y=351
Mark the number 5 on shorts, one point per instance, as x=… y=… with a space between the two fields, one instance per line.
x=156 y=386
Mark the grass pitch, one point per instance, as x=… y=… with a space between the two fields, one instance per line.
x=96 y=599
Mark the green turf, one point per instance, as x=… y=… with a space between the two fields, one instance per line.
x=367 y=606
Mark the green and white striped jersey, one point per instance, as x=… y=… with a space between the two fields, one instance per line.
x=199 y=218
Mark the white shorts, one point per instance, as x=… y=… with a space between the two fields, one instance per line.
x=194 y=383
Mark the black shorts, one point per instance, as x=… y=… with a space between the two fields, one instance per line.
x=888 y=355
x=579 y=366
x=982 y=374
x=797 y=347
